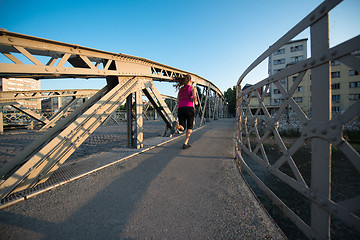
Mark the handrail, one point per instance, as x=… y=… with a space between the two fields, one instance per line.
x=317 y=127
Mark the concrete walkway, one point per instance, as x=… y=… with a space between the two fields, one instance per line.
x=164 y=193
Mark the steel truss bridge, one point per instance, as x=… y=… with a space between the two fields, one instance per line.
x=127 y=78
x=320 y=129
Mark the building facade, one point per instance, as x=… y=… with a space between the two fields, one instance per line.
x=345 y=81
x=290 y=53
x=22 y=84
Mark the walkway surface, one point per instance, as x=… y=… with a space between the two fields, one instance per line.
x=164 y=193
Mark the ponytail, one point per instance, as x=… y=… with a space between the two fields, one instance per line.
x=182 y=81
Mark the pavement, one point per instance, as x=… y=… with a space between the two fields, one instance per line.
x=163 y=193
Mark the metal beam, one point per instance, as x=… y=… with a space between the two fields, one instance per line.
x=37 y=166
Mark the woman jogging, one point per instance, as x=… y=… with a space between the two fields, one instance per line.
x=186 y=112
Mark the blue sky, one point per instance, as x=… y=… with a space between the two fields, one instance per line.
x=215 y=39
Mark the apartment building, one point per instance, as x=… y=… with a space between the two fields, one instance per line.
x=345 y=81
x=345 y=86
x=22 y=84
x=290 y=53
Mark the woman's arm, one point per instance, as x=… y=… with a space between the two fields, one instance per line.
x=194 y=93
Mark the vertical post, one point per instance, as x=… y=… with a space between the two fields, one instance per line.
x=138 y=120
x=210 y=100
x=59 y=103
x=238 y=116
x=321 y=112
x=129 y=117
x=1 y=120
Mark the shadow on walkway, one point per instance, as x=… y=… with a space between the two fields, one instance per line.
x=165 y=193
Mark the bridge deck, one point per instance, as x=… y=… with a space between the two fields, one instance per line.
x=164 y=193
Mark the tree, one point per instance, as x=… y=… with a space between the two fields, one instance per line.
x=230 y=98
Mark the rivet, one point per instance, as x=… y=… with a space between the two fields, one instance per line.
x=46 y=69
x=333 y=125
x=305 y=123
x=323 y=57
x=333 y=138
x=305 y=65
x=322 y=9
x=333 y=53
x=323 y=131
x=312 y=18
x=312 y=62
x=71 y=50
x=313 y=129
x=305 y=134
x=11 y=39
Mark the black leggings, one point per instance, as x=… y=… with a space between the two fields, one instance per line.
x=186 y=115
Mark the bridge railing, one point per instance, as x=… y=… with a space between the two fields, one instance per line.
x=127 y=78
x=319 y=131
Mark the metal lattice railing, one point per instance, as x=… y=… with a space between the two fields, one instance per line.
x=319 y=131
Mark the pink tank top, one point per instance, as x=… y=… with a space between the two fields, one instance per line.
x=185 y=97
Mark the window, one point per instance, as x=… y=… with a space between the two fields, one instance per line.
x=277 y=70
x=354 y=84
x=278 y=101
x=335 y=109
x=335 y=98
x=294 y=78
x=296 y=48
x=280 y=51
x=354 y=96
x=335 y=63
x=335 y=74
x=298 y=99
x=353 y=73
x=335 y=86
x=296 y=59
x=277 y=91
x=299 y=89
x=279 y=61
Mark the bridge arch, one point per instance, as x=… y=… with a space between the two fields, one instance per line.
x=128 y=78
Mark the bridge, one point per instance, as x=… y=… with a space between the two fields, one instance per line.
x=167 y=192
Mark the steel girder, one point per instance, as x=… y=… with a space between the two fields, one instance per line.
x=319 y=128
x=13 y=96
x=125 y=75
x=35 y=164
x=48 y=59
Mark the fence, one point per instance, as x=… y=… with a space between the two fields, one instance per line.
x=319 y=130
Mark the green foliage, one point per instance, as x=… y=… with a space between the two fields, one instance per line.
x=230 y=98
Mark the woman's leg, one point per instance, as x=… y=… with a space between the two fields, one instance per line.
x=189 y=124
x=182 y=120
x=180 y=128
x=187 y=137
